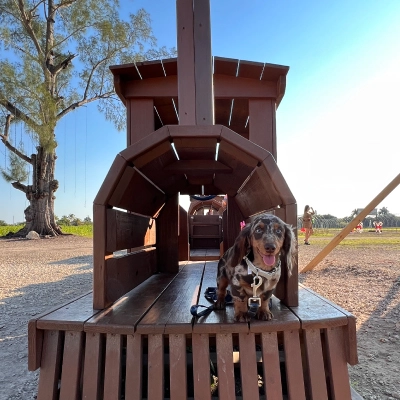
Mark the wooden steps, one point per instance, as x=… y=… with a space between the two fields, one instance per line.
x=148 y=346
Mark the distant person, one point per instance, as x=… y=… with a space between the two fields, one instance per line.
x=307 y=223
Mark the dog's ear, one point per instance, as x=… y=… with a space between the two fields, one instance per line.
x=289 y=249
x=242 y=245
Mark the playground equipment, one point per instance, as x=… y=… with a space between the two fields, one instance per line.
x=133 y=337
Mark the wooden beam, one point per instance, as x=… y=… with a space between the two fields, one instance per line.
x=198 y=167
x=347 y=229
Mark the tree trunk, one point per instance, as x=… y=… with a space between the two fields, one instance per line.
x=39 y=214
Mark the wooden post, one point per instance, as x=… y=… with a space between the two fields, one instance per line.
x=347 y=229
x=195 y=87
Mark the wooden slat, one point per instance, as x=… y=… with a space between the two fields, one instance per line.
x=134 y=361
x=123 y=316
x=186 y=77
x=183 y=233
x=316 y=313
x=315 y=369
x=262 y=124
x=113 y=176
x=50 y=366
x=248 y=366
x=350 y=330
x=336 y=359
x=226 y=376
x=293 y=365
x=203 y=63
x=35 y=343
x=126 y=272
x=71 y=316
x=127 y=230
x=201 y=366
x=93 y=364
x=100 y=255
x=271 y=366
x=177 y=366
x=171 y=313
x=155 y=380
x=167 y=236
x=140 y=119
x=219 y=321
x=135 y=192
x=112 y=374
x=71 y=366
x=193 y=167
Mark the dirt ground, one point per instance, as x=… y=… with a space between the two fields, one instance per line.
x=37 y=275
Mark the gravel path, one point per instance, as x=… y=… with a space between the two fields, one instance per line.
x=37 y=275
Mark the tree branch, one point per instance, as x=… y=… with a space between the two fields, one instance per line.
x=20 y=186
x=12 y=108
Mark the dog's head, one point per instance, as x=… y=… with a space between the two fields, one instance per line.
x=269 y=238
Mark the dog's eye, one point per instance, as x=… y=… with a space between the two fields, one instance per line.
x=258 y=230
x=278 y=231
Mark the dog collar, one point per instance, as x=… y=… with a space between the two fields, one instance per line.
x=265 y=274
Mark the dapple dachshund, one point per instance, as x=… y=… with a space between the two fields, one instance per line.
x=262 y=246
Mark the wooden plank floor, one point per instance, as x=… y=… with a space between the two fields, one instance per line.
x=204 y=254
x=154 y=319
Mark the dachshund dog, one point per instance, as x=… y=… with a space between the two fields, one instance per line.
x=252 y=266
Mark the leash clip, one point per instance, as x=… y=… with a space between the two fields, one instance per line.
x=257 y=282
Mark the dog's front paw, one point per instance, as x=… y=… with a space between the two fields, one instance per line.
x=242 y=317
x=220 y=305
x=264 y=315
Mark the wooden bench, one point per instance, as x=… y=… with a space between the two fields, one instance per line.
x=148 y=346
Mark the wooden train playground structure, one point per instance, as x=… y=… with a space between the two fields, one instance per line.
x=201 y=126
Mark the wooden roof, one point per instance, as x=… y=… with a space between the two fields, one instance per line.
x=235 y=81
x=146 y=173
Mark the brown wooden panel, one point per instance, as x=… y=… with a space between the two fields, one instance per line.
x=315 y=369
x=50 y=366
x=127 y=230
x=112 y=374
x=262 y=124
x=248 y=366
x=71 y=316
x=287 y=289
x=91 y=385
x=113 y=176
x=167 y=236
x=293 y=365
x=184 y=134
x=231 y=87
x=126 y=272
x=203 y=63
x=35 y=343
x=337 y=365
x=186 y=77
x=226 y=376
x=196 y=167
x=148 y=143
x=280 y=184
x=271 y=366
x=164 y=86
x=136 y=193
x=201 y=366
x=234 y=218
x=178 y=367
x=134 y=360
x=153 y=153
x=71 y=366
x=140 y=119
x=219 y=321
x=350 y=330
x=100 y=255
x=155 y=380
x=123 y=316
x=183 y=235
x=171 y=313
x=315 y=313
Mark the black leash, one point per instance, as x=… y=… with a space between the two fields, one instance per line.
x=211 y=295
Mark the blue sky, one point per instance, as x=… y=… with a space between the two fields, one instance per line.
x=338 y=124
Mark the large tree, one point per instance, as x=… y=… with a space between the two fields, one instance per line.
x=55 y=59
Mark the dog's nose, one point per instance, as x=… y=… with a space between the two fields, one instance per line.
x=270 y=248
